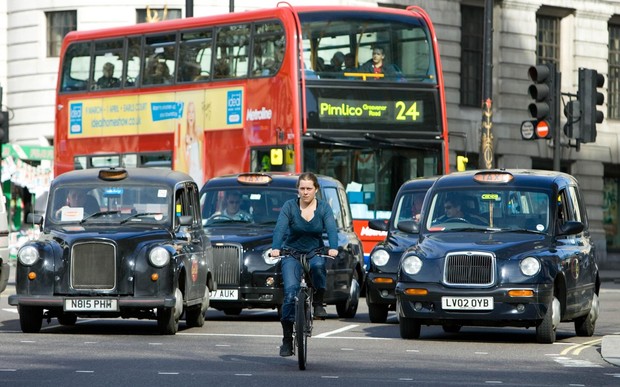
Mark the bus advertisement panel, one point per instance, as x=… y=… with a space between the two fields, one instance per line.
x=350 y=92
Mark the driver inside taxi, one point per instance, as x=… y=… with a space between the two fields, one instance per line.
x=232 y=209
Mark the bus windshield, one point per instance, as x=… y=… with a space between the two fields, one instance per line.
x=340 y=45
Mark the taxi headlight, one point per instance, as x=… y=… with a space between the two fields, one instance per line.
x=28 y=255
x=529 y=266
x=159 y=257
x=412 y=264
x=380 y=257
x=269 y=260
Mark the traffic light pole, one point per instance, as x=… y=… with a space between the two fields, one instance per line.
x=557 y=149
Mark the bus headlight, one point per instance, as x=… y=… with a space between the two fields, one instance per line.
x=529 y=266
x=269 y=260
x=380 y=257
x=412 y=264
x=28 y=255
x=159 y=257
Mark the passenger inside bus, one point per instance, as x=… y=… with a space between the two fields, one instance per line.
x=379 y=65
x=157 y=73
x=221 y=68
x=107 y=80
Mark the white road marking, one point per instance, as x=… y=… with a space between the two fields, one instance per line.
x=340 y=330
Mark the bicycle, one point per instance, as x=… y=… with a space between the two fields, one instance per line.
x=304 y=317
x=302 y=329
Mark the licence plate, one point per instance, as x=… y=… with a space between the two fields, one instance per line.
x=467 y=303
x=91 y=305
x=224 y=294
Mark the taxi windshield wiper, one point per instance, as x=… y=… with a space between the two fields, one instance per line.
x=98 y=214
x=139 y=214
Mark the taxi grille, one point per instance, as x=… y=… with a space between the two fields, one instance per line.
x=93 y=266
x=469 y=269
x=226 y=259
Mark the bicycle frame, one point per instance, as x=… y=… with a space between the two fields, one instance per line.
x=303 y=317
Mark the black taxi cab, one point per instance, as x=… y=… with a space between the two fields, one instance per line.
x=402 y=232
x=117 y=243
x=501 y=248
x=239 y=214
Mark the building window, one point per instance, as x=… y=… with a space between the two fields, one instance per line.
x=613 y=85
x=547 y=39
x=472 y=18
x=150 y=15
x=59 y=24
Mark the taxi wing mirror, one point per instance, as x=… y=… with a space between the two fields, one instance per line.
x=571 y=227
x=409 y=226
x=185 y=221
x=32 y=218
x=378 y=224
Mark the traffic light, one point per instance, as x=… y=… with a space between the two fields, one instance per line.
x=545 y=93
x=589 y=98
x=4 y=127
x=572 y=111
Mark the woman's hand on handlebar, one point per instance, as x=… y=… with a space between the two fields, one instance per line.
x=332 y=253
x=275 y=253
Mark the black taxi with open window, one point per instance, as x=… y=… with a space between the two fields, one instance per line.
x=117 y=243
x=239 y=214
x=501 y=248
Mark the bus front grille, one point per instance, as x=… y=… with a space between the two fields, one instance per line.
x=93 y=266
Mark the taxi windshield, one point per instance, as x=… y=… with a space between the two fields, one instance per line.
x=116 y=204
x=260 y=205
x=489 y=208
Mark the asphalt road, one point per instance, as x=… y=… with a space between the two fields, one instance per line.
x=243 y=351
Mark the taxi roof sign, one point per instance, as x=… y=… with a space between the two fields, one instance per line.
x=493 y=177
x=254 y=178
x=113 y=174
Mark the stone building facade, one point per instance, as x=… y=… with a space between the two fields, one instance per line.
x=584 y=37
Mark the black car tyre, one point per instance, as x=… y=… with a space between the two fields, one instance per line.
x=232 y=311
x=67 y=319
x=409 y=328
x=195 y=316
x=348 y=308
x=30 y=318
x=451 y=328
x=584 y=326
x=545 y=331
x=378 y=313
x=168 y=318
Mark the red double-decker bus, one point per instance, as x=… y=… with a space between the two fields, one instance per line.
x=283 y=89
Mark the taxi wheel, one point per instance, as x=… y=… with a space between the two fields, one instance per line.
x=545 y=331
x=67 y=319
x=451 y=328
x=348 y=308
x=378 y=313
x=584 y=326
x=195 y=315
x=30 y=318
x=168 y=318
x=232 y=311
x=409 y=328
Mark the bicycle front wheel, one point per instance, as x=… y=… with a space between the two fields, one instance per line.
x=301 y=339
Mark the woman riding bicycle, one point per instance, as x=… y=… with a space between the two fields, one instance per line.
x=299 y=229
